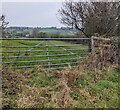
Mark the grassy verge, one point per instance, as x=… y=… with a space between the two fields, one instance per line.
x=70 y=88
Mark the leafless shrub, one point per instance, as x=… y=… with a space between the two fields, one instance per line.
x=104 y=56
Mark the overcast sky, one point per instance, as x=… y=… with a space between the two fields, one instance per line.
x=37 y=14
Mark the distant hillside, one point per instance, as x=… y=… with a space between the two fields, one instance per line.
x=48 y=30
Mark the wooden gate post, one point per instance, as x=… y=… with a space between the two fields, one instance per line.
x=92 y=45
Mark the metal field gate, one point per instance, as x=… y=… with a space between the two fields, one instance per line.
x=50 y=53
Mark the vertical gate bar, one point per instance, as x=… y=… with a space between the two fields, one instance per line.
x=92 y=45
x=47 y=54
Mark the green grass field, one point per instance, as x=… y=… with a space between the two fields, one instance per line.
x=40 y=53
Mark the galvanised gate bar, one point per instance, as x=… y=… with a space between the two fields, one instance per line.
x=50 y=53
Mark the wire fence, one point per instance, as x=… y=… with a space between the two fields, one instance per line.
x=50 y=53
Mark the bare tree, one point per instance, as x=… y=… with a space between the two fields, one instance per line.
x=103 y=19
x=72 y=14
x=3 y=25
x=92 y=17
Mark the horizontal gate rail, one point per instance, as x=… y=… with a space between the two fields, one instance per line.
x=39 y=46
x=37 y=56
x=9 y=51
x=45 y=38
x=55 y=55
x=32 y=61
